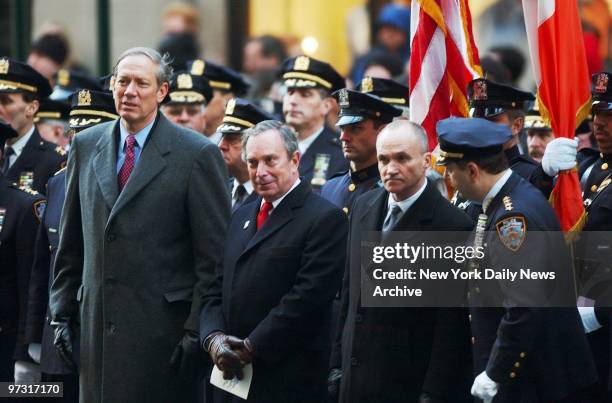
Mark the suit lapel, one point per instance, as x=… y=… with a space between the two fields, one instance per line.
x=105 y=163
x=150 y=163
x=373 y=217
x=280 y=216
x=421 y=211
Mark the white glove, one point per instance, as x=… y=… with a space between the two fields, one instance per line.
x=484 y=387
x=34 y=352
x=26 y=372
x=560 y=155
x=589 y=320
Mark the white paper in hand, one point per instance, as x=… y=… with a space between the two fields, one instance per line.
x=234 y=386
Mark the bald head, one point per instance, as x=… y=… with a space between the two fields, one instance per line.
x=403 y=158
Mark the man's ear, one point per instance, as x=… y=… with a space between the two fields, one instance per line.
x=517 y=125
x=327 y=105
x=473 y=171
x=32 y=108
x=162 y=92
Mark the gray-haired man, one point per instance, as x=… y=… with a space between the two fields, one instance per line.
x=142 y=231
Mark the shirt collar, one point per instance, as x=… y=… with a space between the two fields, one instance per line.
x=276 y=202
x=405 y=204
x=495 y=189
x=248 y=186
x=307 y=142
x=365 y=174
x=141 y=135
x=21 y=143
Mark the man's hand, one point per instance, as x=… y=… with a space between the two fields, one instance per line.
x=187 y=357
x=63 y=341
x=484 y=387
x=333 y=383
x=222 y=355
x=560 y=155
x=26 y=372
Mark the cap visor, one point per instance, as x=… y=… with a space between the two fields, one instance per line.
x=349 y=120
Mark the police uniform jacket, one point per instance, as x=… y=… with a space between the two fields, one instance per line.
x=344 y=188
x=142 y=256
x=39 y=329
x=535 y=354
x=20 y=212
x=276 y=288
x=327 y=143
x=39 y=158
x=395 y=354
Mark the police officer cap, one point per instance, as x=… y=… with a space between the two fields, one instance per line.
x=19 y=77
x=533 y=119
x=307 y=72
x=488 y=98
x=6 y=132
x=356 y=106
x=68 y=81
x=51 y=109
x=241 y=115
x=470 y=139
x=187 y=88
x=389 y=91
x=88 y=108
x=219 y=77
x=601 y=91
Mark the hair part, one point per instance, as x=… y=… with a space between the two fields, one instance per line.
x=287 y=134
x=164 y=63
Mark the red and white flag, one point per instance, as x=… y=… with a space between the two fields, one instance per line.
x=443 y=60
x=561 y=73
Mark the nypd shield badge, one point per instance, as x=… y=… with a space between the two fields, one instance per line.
x=39 y=209
x=512 y=232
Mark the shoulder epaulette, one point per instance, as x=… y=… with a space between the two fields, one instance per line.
x=28 y=190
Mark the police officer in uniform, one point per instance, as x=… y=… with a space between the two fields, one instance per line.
x=20 y=212
x=522 y=352
x=240 y=115
x=28 y=160
x=52 y=122
x=361 y=118
x=225 y=83
x=88 y=108
x=186 y=100
x=310 y=83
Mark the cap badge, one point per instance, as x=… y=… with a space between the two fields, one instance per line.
x=367 y=85
x=301 y=63
x=601 y=85
x=63 y=77
x=84 y=98
x=184 y=81
x=229 y=109
x=480 y=90
x=4 y=66
x=343 y=98
x=197 y=68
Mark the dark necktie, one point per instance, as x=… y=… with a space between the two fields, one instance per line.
x=239 y=196
x=263 y=214
x=392 y=218
x=128 y=162
x=8 y=152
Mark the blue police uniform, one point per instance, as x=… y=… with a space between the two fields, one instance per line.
x=344 y=188
x=521 y=346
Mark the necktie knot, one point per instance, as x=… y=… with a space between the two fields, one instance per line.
x=264 y=212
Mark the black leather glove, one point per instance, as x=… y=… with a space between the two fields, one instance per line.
x=226 y=359
x=64 y=341
x=187 y=357
x=333 y=384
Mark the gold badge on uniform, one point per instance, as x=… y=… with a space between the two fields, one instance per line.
x=26 y=179
x=301 y=63
x=84 y=98
x=512 y=232
x=63 y=77
x=321 y=166
x=343 y=98
x=184 y=81
x=480 y=90
x=4 y=66
x=601 y=83
x=229 y=108
x=367 y=85
x=197 y=68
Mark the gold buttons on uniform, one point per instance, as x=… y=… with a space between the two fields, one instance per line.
x=523 y=355
x=512 y=375
x=473 y=339
x=351 y=187
x=593 y=188
x=345 y=209
x=604 y=166
x=517 y=364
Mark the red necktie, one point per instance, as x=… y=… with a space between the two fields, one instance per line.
x=263 y=214
x=128 y=162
